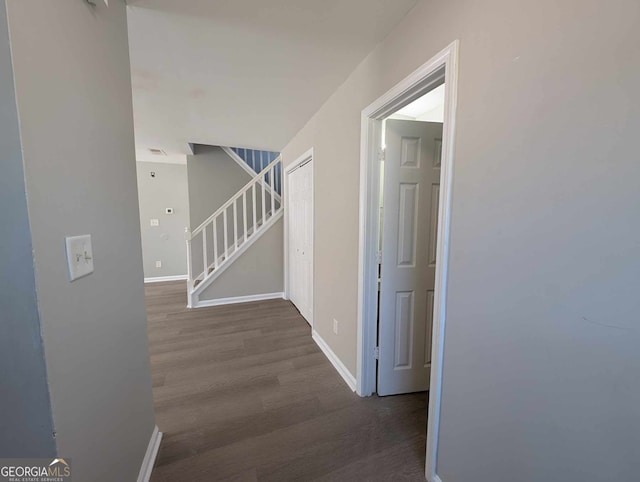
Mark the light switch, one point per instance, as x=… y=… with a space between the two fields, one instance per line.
x=155 y=222
x=79 y=256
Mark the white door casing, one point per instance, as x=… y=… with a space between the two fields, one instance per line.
x=442 y=66
x=300 y=237
x=409 y=236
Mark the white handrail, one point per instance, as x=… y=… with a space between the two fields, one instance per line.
x=243 y=189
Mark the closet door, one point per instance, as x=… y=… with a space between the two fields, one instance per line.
x=300 y=220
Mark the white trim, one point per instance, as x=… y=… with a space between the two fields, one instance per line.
x=162 y=279
x=335 y=361
x=150 y=456
x=238 y=299
x=308 y=155
x=303 y=159
x=444 y=64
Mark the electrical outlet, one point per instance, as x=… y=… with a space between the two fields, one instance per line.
x=155 y=222
x=335 y=326
x=158 y=264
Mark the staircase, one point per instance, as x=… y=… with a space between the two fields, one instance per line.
x=254 y=162
x=214 y=245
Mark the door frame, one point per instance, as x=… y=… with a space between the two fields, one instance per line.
x=303 y=159
x=442 y=65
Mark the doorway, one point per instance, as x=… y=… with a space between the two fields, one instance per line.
x=299 y=222
x=442 y=68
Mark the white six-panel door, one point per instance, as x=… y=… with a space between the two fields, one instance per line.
x=411 y=191
x=300 y=238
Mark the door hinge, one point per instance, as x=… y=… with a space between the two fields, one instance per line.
x=382 y=154
x=376 y=352
x=379 y=257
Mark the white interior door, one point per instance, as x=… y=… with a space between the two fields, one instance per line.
x=411 y=192
x=300 y=238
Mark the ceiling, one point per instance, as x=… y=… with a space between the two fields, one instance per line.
x=245 y=73
x=428 y=108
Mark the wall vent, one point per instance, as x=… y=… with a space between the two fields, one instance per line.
x=157 y=152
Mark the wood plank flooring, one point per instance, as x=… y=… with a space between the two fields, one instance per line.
x=242 y=393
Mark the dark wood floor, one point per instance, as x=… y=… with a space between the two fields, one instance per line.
x=242 y=393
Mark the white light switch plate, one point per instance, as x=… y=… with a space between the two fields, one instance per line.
x=79 y=256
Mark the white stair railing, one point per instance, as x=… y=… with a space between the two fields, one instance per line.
x=213 y=245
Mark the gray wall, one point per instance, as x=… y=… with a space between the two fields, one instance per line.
x=541 y=369
x=73 y=85
x=25 y=425
x=165 y=242
x=213 y=179
x=259 y=270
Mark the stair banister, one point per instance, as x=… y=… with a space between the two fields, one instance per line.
x=244 y=214
x=253 y=197
x=235 y=224
x=241 y=237
x=262 y=189
x=271 y=188
x=187 y=234
x=224 y=229
x=235 y=196
x=215 y=242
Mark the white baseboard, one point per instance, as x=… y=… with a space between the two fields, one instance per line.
x=238 y=299
x=161 y=279
x=150 y=457
x=335 y=361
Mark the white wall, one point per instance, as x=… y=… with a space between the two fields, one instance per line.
x=541 y=368
x=166 y=243
x=73 y=86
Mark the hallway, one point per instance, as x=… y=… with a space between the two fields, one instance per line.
x=242 y=393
